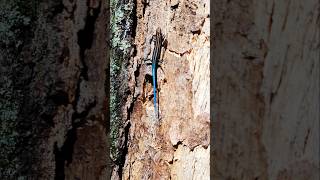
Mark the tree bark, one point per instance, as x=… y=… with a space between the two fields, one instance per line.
x=60 y=72
x=177 y=145
x=265 y=89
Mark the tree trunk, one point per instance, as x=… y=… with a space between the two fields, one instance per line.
x=175 y=146
x=265 y=89
x=59 y=73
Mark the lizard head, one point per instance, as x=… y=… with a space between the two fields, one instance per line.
x=158 y=31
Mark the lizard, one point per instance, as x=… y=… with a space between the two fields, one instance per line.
x=158 y=40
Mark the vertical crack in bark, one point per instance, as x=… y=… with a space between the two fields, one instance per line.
x=271 y=20
x=85 y=36
x=65 y=154
x=145 y=3
x=124 y=151
x=85 y=40
x=286 y=16
x=282 y=73
x=134 y=19
x=66 y=151
x=306 y=141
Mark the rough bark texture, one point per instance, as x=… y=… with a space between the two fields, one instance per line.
x=177 y=145
x=62 y=115
x=265 y=89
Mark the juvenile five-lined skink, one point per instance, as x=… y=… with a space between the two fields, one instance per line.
x=158 y=39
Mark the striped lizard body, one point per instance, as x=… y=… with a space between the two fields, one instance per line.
x=155 y=57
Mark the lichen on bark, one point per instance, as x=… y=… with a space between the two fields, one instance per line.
x=16 y=20
x=121 y=44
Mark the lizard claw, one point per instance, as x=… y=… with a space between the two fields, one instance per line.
x=148 y=61
x=160 y=62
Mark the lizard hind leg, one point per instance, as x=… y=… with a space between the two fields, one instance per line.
x=147 y=61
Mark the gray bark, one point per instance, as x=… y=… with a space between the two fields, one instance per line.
x=265 y=89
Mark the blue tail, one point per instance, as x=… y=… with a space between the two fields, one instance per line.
x=154 y=74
